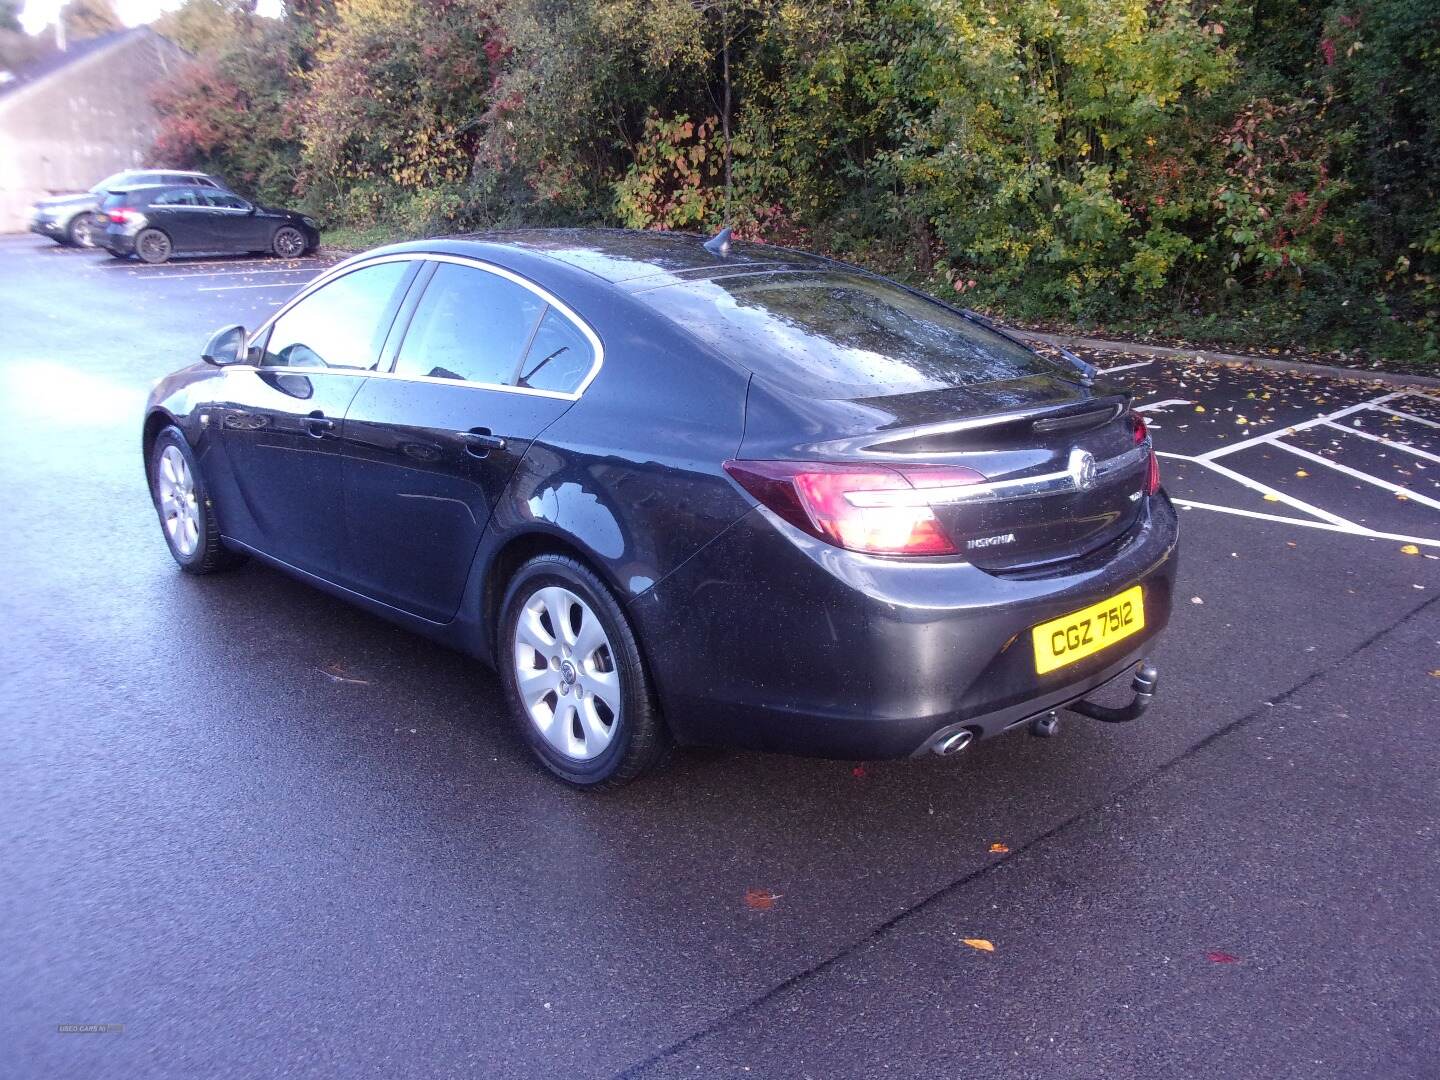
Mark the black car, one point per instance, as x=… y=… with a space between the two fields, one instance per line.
x=676 y=492
x=76 y=219
x=155 y=222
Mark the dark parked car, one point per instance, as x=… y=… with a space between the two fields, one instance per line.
x=675 y=492
x=76 y=219
x=154 y=223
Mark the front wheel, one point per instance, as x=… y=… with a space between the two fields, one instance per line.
x=574 y=678
x=153 y=246
x=288 y=243
x=183 y=505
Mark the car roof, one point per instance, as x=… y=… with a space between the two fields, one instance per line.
x=639 y=259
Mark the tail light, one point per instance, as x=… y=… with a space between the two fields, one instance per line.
x=1142 y=432
x=122 y=217
x=876 y=509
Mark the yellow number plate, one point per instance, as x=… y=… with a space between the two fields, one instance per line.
x=1077 y=635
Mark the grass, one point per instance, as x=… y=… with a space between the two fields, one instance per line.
x=359 y=237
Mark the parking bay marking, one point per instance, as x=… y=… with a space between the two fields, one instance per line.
x=276 y=285
x=1369 y=534
x=1358 y=475
x=1160 y=406
x=1327 y=520
x=1396 y=443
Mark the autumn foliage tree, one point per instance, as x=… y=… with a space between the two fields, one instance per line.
x=1239 y=169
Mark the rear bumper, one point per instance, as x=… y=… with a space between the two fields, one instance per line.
x=771 y=640
x=115 y=239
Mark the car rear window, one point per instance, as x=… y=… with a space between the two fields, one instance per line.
x=839 y=335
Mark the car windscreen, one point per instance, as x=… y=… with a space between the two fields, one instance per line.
x=841 y=335
x=109 y=182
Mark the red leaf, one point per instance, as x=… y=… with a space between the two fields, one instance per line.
x=858 y=772
x=760 y=899
x=1217 y=957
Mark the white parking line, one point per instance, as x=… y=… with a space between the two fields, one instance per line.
x=1277 y=495
x=1358 y=475
x=1396 y=443
x=143 y=271
x=1369 y=534
x=1125 y=367
x=1157 y=406
x=221 y=273
x=1271 y=436
x=1407 y=416
x=232 y=288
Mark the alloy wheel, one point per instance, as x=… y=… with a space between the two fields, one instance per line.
x=179 y=509
x=154 y=246
x=566 y=673
x=289 y=244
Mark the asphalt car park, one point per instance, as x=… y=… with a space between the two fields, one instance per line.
x=253 y=825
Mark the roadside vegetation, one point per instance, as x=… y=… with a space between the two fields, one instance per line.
x=1232 y=171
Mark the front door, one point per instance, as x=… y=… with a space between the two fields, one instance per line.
x=282 y=426
x=433 y=443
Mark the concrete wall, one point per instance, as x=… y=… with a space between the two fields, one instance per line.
x=77 y=125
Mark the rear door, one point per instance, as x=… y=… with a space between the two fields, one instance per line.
x=486 y=363
x=179 y=213
x=282 y=423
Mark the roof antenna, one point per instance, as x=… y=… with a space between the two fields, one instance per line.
x=719 y=244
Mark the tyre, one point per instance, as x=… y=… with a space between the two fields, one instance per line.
x=574 y=678
x=183 y=506
x=288 y=243
x=153 y=246
x=85 y=230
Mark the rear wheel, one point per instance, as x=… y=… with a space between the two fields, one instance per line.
x=183 y=505
x=153 y=246
x=574 y=677
x=288 y=243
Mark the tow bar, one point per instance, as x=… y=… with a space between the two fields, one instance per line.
x=1143 y=685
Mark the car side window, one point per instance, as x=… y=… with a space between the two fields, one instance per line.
x=470 y=325
x=559 y=358
x=340 y=325
x=223 y=201
x=175 y=198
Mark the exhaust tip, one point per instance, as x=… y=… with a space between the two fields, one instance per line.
x=954 y=742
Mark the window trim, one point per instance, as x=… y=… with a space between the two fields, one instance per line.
x=396 y=304
x=472 y=262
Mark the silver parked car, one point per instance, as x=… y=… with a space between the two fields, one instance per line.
x=76 y=220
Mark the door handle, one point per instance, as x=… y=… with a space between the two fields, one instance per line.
x=317 y=424
x=480 y=441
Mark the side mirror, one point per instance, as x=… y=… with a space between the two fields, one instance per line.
x=225 y=347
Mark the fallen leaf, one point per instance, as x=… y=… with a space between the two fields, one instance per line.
x=1301 y=473
x=858 y=772
x=336 y=673
x=1217 y=957
x=1001 y=849
x=1436 y=673
x=1409 y=549
x=1272 y=498
x=1199 y=408
x=979 y=943
x=760 y=899
x=1196 y=600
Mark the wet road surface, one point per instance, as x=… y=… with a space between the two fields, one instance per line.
x=271 y=835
